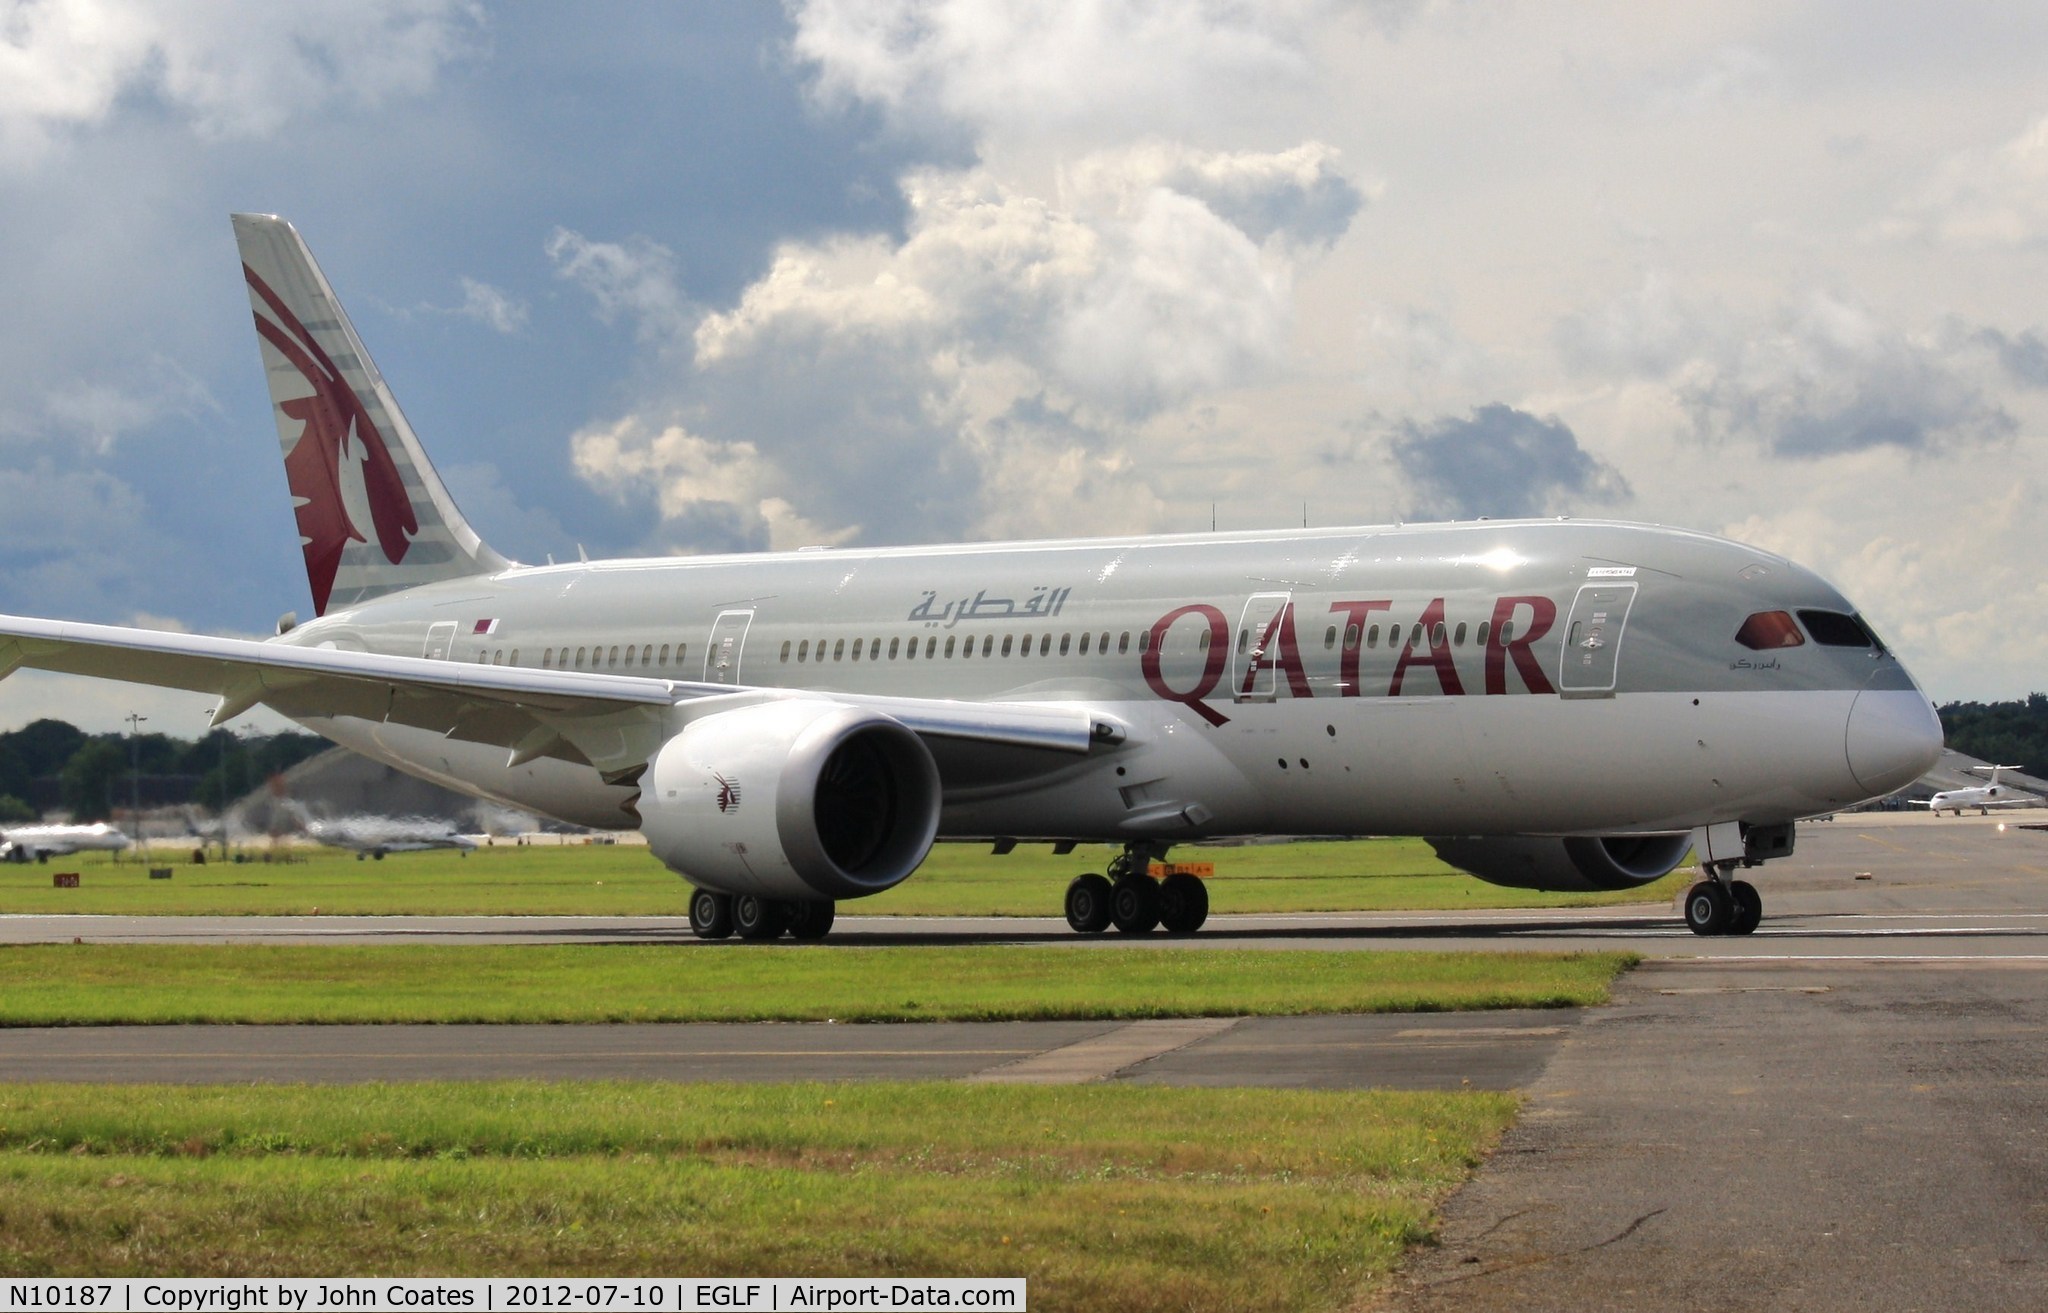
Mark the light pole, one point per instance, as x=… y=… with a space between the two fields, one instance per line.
x=135 y=723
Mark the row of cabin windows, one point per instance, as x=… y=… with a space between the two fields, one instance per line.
x=955 y=646
x=602 y=657
x=803 y=651
x=1437 y=636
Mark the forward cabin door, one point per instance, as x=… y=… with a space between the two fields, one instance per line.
x=1592 y=640
x=440 y=636
x=728 y=639
x=1253 y=668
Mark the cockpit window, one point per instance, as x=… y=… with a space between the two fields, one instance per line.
x=1833 y=629
x=1770 y=629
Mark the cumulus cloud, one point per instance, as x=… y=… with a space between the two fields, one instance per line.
x=991 y=67
x=1817 y=376
x=865 y=371
x=1500 y=461
x=1983 y=198
x=634 y=280
x=228 y=67
x=2023 y=356
x=494 y=309
x=1828 y=377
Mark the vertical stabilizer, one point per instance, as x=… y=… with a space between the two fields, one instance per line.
x=373 y=516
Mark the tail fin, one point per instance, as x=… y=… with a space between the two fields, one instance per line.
x=373 y=516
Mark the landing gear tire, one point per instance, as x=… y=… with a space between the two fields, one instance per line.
x=710 y=914
x=1088 y=904
x=1183 y=903
x=758 y=918
x=1134 y=904
x=812 y=919
x=1709 y=909
x=1748 y=910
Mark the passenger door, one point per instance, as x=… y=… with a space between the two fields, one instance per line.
x=1254 y=674
x=728 y=641
x=1592 y=639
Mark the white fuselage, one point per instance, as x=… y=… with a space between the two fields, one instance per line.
x=1503 y=678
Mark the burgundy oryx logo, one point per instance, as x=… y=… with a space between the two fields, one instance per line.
x=728 y=794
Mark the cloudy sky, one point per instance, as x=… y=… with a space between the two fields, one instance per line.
x=716 y=277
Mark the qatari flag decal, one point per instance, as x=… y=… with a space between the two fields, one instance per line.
x=485 y=627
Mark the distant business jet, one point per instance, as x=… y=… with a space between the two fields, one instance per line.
x=375 y=836
x=32 y=843
x=1557 y=704
x=1981 y=796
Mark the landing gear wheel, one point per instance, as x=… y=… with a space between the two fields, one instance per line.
x=1134 y=904
x=813 y=918
x=1088 y=904
x=1708 y=908
x=1749 y=908
x=710 y=914
x=758 y=918
x=1183 y=903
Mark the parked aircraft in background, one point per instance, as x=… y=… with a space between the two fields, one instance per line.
x=1560 y=704
x=1982 y=796
x=32 y=843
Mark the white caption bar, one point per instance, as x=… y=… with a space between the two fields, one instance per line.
x=502 y=1295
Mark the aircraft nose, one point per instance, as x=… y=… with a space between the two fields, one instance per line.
x=1893 y=735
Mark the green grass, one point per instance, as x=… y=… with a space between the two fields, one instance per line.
x=1103 y=1197
x=625 y=880
x=92 y=984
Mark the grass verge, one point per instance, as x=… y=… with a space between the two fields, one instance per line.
x=1103 y=1197
x=1363 y=875
x=91 y=984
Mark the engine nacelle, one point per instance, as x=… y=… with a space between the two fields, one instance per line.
x=795 y=799
x=1576 y=865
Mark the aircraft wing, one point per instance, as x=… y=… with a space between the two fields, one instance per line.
x=613 y=722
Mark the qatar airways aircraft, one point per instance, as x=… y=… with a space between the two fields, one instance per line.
x=1557 y=704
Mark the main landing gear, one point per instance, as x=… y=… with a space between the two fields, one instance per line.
x=1722 y=905
x=1133 y=901
x=716 y=916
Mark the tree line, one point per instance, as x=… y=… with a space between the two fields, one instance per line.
x=2011 y=733
x=51 y=762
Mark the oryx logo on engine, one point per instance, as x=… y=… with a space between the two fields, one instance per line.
x=728 y=794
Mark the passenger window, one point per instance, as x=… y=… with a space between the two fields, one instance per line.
x=910 y=650
x=1243 y=637
x=1024 y=649
x=1123 y=642
x=1372 y=636
x=680 y=649
x=547 y=658
x=1459 y=636
x=1066 y=641
x=1479 y=634
x=856 y=649
x=579 y=658
x=1044 y=644
x=664 y=654
x=1767 y=630
x=614 y=661
x=931 y=646
x=1144 y=640
x=988 y=645
x=839 y=650
x=1202 y=641
x=1833 y=629
x=1351 y=637
x=1415 y=639
x=629 y=655
x=950 y=641
x=785 y=651
x=1507 y=632
x=1007 y=640
x=1084 y=643
x=515 y=656
x=1102 y=645
x=803 y=651
x=1329 y=638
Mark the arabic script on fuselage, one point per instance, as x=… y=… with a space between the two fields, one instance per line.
x=1043 y=604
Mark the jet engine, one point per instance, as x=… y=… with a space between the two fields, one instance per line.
x=799 y=799
x=1576 y=865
